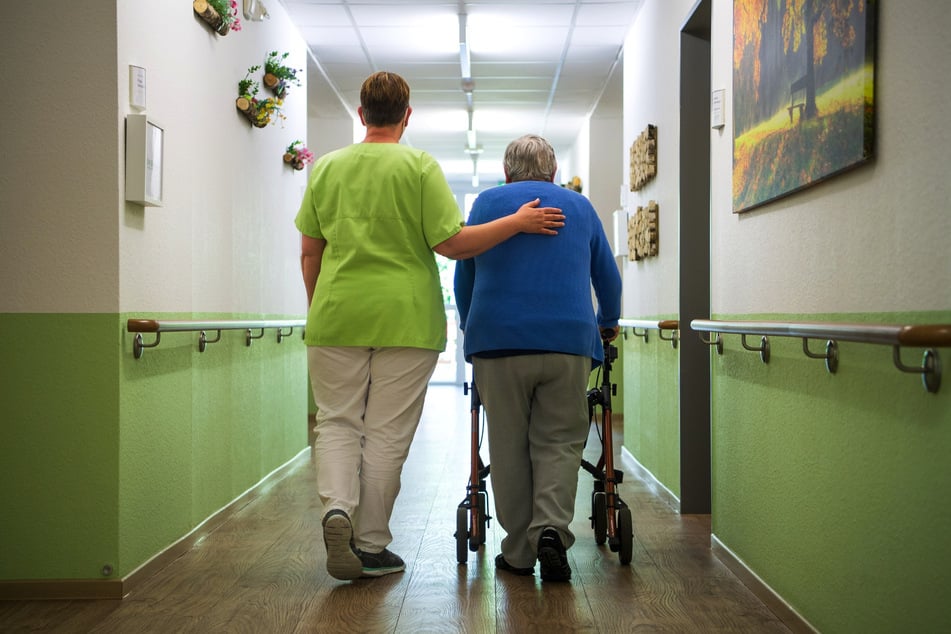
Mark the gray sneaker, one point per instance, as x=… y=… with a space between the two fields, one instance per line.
x=343 y=561
x=381 y=563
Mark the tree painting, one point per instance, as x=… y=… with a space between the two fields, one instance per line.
x=803 y=94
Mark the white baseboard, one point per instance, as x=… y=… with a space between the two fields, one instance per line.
x=655 y=486
x=785 y=612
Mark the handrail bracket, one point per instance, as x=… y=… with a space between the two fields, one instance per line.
x=831 y=355
x=250 y=336
x=716 y=343
x=673 y=338
x=763 y=348
x=138 y=347
x=203 y=340
x=930 y=369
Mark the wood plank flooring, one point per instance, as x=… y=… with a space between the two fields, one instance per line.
x=263 y=570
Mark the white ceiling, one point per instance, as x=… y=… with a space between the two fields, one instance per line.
x=538 y=67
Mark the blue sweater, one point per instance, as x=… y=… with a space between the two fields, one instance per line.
x=533 y=292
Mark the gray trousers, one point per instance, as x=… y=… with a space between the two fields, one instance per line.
x=369 y=401
x=537 y=416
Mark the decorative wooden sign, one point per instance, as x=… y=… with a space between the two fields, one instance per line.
x=644 y=158
x=642 y=235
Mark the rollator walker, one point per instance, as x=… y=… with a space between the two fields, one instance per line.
x=472 y=515
x=610 y=516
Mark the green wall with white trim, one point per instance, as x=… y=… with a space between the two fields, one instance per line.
x=209 y=425
x=106 y=460
x=651 y=404
x=832 y=486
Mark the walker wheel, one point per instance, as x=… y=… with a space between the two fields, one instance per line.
x=599 y=517
x=462 y=534
x=481 y=520
x=625 y=528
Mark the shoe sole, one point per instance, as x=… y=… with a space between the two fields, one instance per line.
x=379 y=572
x=342 y=562
x=553 y=567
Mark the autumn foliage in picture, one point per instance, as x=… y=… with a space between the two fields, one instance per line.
x=803 y=94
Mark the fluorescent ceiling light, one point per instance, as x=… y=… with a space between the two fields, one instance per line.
x=464 y=60
x=442 y=119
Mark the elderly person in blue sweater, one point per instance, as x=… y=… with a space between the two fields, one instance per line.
x=533 y=337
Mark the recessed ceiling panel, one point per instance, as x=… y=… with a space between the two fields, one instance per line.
x=537 y=66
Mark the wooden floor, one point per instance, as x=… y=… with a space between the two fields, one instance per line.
x=263 y=570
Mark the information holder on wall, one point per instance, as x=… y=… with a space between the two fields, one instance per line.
x=144 y=160
x=137 y=87
x=717 y=105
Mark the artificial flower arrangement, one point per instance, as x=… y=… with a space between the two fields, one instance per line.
x=277 y=76
x=221 y=15
x=297 y=155
x=260 y=112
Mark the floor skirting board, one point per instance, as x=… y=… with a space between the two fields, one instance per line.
x=654 y=485
x=786 y=613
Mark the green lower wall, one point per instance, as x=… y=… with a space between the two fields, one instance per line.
x=108 y=460
x=651 y=405
x=59 y=442
x=206 y=426
x=831 y=487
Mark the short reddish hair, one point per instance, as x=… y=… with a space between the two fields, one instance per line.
x=384 y=98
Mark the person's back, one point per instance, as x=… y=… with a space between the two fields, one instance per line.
x=535 y=294
x=380 y=205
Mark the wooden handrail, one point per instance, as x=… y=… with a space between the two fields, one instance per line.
x=928 y=336
x=660 y=325
x=158 y=326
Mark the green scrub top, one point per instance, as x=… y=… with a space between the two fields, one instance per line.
x=381 y=207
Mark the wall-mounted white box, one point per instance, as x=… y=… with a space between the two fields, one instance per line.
x=620 y=233
x=144 y=160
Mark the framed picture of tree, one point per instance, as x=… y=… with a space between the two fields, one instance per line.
x=803 y=94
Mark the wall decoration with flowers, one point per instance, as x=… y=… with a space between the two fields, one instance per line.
x=221 y=15
x=260 y=112
x=297 y=155
x=278 y=76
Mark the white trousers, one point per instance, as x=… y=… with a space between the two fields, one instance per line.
x=369 y=401
x=537 y=413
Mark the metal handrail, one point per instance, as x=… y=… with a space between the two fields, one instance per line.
x=928 y=336
x=158 y=326
x=660 y=325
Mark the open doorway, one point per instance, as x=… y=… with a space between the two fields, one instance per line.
x=695 y=463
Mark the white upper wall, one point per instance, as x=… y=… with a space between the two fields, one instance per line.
x=606 y=170
x=871 y=240
x=652 y=96
x=874 y=239
x=58 y=189
x=225 y=240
